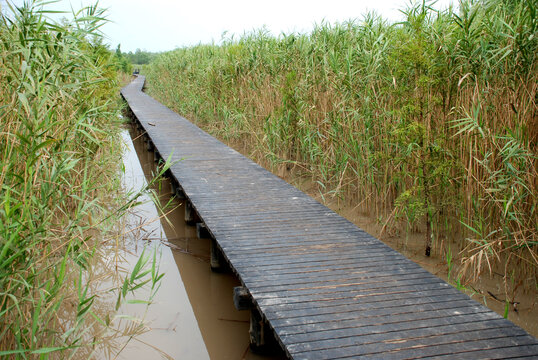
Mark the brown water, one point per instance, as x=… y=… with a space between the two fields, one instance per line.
x=192 y=315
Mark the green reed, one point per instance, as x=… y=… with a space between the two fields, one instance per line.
x=432 y=120
x=59 y=180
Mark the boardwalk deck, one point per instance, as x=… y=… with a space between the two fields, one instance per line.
x=326 y=288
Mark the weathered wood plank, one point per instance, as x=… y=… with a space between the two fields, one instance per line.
x=307 y=308
x=336 y=283
x=395 y=312
x=507 y=345
x=400 y=337
x=387 y=327
x=373 y=319
x=440 y=345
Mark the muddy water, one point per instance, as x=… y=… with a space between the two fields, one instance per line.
x=193 y=316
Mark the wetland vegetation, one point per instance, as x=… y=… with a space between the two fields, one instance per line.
x=61 y=196
x=428 y=125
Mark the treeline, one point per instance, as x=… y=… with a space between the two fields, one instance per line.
x=432 y=122
x=127 y=62
x=139 y=57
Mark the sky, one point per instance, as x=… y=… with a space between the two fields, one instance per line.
x=160 y=25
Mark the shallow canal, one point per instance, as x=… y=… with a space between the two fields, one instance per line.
x=192 y=315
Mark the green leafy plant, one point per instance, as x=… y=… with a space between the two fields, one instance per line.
x=430 y=119
x=60 y=195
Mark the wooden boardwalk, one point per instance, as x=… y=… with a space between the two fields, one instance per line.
x=327 y=289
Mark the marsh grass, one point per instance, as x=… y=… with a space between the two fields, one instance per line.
x=429 y=123
x=60 y=194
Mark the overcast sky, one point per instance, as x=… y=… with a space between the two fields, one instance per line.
x=159 y=25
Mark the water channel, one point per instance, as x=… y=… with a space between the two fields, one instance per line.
x=192 y=315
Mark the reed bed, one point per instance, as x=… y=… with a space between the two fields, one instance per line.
x=60 y=195
x=431 y=123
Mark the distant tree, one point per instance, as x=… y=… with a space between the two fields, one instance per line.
x=140 y=57
x=122 y=62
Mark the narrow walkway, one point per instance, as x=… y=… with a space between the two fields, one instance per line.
x=327 y=289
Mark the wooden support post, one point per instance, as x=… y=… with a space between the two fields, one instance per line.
x=179 y=193
x=191 y=217
x=149 y=143
x=202 y=232
x=257 y=331
x=242 y=299
x=217 y=261
x=156 y=156
x=168 y=175
x=176 y=188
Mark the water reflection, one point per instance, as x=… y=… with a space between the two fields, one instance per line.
x=193 y=316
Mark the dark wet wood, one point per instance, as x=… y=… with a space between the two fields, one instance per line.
x=326 y=288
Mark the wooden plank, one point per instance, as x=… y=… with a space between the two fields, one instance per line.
x=325 y=264
x=262 y=238
x=445 y=344
x=397 y=337
x=331 y=258
x=363 y=312
x=316 y=252
x=372 y=319
x=329 y=274
x=507 y=345
x=381 y=300
x=269 y=299
x=356 y=331
x=336 y=282
x=521 y=352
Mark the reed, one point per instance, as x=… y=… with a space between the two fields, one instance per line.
x=59 y=178
x=431 y=120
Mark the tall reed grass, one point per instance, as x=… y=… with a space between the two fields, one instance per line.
x=431 y=122
x=59 y=173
